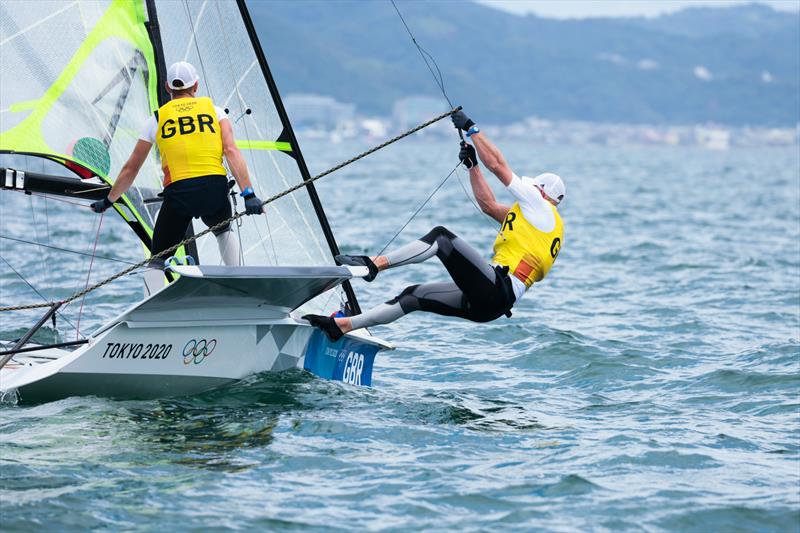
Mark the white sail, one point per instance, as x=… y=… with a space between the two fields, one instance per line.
x=212 y=36
x=83 y=83
x=84 y=97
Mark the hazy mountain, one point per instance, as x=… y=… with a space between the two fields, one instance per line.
x=737 y=65
x=752 y=20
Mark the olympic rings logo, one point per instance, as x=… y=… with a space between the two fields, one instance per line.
x=196 y=351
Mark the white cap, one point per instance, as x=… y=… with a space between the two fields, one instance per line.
x=181 y=75
x=552 y=186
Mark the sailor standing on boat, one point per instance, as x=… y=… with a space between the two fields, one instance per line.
x=192 y=135
x=526 y=246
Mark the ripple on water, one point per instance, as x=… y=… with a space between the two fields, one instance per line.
x=733 y=519
x=648 y=384
x=671 y=459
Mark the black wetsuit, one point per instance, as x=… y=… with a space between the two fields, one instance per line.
x=204 y=197
x=479 y=291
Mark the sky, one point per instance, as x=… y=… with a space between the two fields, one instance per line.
x=620 y=8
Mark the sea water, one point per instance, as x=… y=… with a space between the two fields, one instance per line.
x=649 y=383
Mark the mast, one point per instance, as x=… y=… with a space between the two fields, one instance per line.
x=288 y=135
x=154 y=32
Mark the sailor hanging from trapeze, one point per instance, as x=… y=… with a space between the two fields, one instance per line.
x=192 y=135
x=530 y=237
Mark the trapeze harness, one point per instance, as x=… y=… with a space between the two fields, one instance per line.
x=189 y=139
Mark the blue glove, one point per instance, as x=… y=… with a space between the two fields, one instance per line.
x=252 y=205
x=467 y=155
x=462 y=121
x=101 y=205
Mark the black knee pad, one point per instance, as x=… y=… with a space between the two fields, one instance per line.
x=435 y=233
x=407 y=300
x=406 y=292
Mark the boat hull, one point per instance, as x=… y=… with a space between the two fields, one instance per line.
x=197 y=334
x=158 y=362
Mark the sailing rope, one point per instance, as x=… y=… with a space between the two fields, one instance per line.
x=67 y=250
x=34 y=289
x=237 y=216
x=422 y=52
x=88 y=274
x=439 y=79
x=431 y=195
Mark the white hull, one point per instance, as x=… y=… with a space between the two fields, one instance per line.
x=194 y=336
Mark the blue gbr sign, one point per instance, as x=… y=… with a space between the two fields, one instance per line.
x=348 y=359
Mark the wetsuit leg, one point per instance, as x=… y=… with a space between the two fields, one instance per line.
x=170 y=228
x=482 y=298
x=439 y=298
x=227 y=241
x=205 y=197
x=222 y=212
x=462 y=261
x=413 y=252
x=465 y=264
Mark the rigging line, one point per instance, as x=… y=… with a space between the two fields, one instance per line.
x=492 y=221
x=244 y=108
x=237 y=216
x=91 y=255
x=260 y=237
x=47 y=233
x=89 y=273
x=196 y=45
x=257 y=185
x=56 y=198
x=41 y=195
x=440 y=82
x=422 y=52
x=44 y=258
x=420 y=208
x=76 y=252
x=34 y=289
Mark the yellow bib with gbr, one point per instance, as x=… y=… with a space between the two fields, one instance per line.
x=189 y=139
x=527 y=251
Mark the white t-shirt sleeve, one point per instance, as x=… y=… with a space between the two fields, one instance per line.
x=524 y=191
x=221 y=114
x=148 y=133
x=535 y=208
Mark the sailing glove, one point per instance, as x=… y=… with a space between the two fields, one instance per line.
x=462 y=121
x=252 y=205
x=467 y=155
x=101 y=205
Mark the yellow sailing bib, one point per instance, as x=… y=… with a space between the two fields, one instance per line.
x=527 y=251
x=189 y=139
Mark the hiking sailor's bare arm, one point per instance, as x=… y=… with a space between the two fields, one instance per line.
x=492 y=157
x=484 y=195
x=129 y=170
x=234 y=157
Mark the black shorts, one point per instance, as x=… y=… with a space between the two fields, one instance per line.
x=204 y=197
